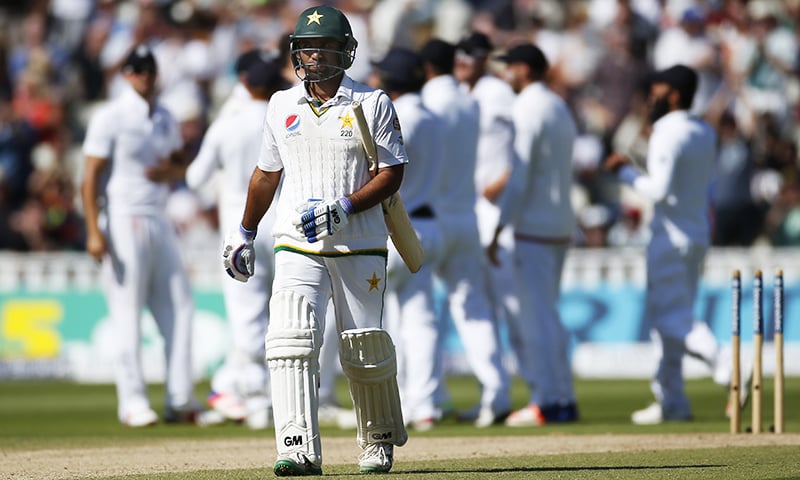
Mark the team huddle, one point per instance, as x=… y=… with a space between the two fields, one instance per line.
x=345 y=202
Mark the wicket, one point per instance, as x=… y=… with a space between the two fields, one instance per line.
x=758 y=340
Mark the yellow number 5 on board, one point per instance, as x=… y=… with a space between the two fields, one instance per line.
x=29 y=329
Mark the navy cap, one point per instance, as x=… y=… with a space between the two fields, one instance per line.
x=244 y=60
x=476 y=44
x=679 y=77
x=140 y=59
x=401 y=69
x=264 y=72
x=439 y=54
x=529 y=54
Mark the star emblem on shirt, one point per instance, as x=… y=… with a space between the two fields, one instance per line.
x=314 y=18
x=373 y=282
x=347 y=120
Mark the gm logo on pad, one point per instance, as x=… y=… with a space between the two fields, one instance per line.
x=292 y=122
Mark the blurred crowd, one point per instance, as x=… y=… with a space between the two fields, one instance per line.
x=60 y=58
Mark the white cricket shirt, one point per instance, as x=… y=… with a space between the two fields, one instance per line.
x=536 y=200
x=680 y=163
x=496 y=141
x=123 y=131
x=461 y=118
x=422 y=137
x=322 y=158
x=232 y=144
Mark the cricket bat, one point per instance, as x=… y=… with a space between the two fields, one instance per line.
x=401 y=232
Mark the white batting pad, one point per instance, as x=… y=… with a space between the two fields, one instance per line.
x=369 y=362
x=293 y=343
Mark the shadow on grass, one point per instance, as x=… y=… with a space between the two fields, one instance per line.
x=565 y=469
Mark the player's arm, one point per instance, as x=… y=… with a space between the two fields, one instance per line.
x=173 y=167
x=661 y=156
x=391 y=157
x=386 y=182
x=207 y=161
x=170 y=169
x=260 y=193
x=90 y=188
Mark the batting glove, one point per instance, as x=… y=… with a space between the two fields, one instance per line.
x=324 y=219
x=238 y=255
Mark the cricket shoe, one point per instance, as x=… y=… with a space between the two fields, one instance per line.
x=557 y=413
x=423 y=424
x=376 y=458
x=483 y=417
x=140 y=418
x=300 y=467
x=654 y=414
x=228 y=404
x=194 y=414
x=528 y=416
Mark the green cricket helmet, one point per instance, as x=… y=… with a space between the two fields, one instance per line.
x=322 y=22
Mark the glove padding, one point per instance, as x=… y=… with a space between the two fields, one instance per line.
x=324 y=218
x=238 y=255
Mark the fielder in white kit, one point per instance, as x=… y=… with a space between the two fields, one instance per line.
x=537 y=203
x=494 y=160
x=127 y=139
x=410 y=313
x=680 y=164
x=330 y=242
x=460 y=268
x=240 y=386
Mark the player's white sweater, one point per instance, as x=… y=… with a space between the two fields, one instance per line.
x=680 y=163
x=461 y=117
x=232 y=144
x=124 y=131
x=322 y=158
x=537 y=199
x=422 y=136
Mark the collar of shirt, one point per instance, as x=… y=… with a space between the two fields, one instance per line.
x=442 y=80
x=343 y=94
x=535 y=86
x=135 y=102
x=671 y=116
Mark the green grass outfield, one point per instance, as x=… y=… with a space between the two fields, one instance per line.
x=41 y=415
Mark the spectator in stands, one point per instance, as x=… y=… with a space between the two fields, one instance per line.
x=738 y=220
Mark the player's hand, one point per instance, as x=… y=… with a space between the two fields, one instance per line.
x=324 y=219
x=96 y=245
x=614 y=162
x=238 y=255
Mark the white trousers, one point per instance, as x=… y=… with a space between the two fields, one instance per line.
x=356 y=284
x=411 y=320
x=462 y=271
x=672 y=282
x=543 y=349
x=144 y=269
